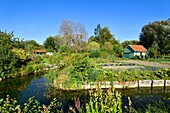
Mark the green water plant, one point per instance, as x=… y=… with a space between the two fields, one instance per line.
x=101 y=101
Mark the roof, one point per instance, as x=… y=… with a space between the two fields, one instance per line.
x=40 y=51
x=138 y=48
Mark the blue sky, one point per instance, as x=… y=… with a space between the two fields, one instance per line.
x=39 y=19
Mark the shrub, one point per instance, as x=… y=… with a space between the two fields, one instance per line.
x=63 y=49
x=94 y=53
x=93 y=45
x=83 y=70
x=108 y=47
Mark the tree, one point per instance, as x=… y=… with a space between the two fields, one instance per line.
x=74 y=35
x=51 y=44
x=8 y=59
x=156 y=34
x=128 y=42
x=31 y=46
x=102 y=35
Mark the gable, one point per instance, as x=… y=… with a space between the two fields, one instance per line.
x=128 y=50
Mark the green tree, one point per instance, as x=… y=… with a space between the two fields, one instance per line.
x=51 y=44
x=31 y=46
x=156 y=33
x=102 y=35
x=8 y=60
x=128 y=42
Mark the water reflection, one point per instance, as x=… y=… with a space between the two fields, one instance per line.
x=23 y=88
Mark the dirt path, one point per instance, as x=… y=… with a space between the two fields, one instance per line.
x=146 y=63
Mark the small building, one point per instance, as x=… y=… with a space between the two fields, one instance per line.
x=40 y=52
x=134 y=50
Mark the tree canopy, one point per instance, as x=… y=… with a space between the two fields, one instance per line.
x=157 y=36
x=12 y=54
x=74 y=35
x=51 y=44
x=127 y=42
x=102 y=35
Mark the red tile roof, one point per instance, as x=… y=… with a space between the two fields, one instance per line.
x=40 y=51
x=138 y=48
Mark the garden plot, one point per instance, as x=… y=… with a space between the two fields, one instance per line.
x=120 y=66
x=146 y=63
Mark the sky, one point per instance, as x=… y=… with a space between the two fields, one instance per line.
x=39 y=19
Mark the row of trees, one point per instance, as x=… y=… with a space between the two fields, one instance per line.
x=73 y=36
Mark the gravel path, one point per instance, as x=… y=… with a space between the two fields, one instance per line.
x=146 y=63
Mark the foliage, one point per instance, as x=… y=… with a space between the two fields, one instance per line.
x=8 y=60
x=51 y=44
x=63 y=49
x=32 y=106
x=135 y=74
x=74 y=35
x=118 y=50
x=94 y=53
x=31 y=45
x=93 y=45
x=104 y=102
x=82 y=70
x=156 y=35
x=99 y=101
x=21 y=54
x=102 y=35
x=108 y=47
x=129 y=42
x=153 y=53
x=15 y=59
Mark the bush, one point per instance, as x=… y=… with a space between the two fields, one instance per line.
x=104 y=54
x=63 y=49
x=108 y=47
x=83 y=70
x=93 y=45
x=94 y=53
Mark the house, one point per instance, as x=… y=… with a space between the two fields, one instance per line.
x=40 y=52
x=134 y=50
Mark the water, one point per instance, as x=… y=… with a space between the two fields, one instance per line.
x=23 y=88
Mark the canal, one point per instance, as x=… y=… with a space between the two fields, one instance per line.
x=22 y=88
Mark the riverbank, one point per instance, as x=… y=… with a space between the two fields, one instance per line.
x=118 y=85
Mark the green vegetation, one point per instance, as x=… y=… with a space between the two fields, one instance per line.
x=99 y=101
x=78 y=61
x=156 y=37
x=16 y=59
